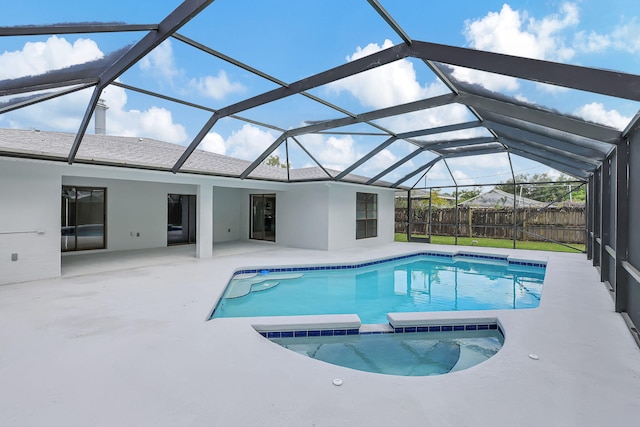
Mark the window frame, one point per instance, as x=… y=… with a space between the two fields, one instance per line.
x=78 y=188
x=366 y=227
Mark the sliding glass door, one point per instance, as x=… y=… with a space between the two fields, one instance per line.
x=82 y=218
x=263 y=217
x=181 y=219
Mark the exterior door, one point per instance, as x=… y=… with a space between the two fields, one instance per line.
x=263 y=217
x=181 y=219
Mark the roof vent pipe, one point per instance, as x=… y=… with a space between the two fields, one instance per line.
x=101 y=117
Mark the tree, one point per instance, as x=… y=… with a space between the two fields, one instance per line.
x=544 y=188
x=464 y=195
x=274 y=160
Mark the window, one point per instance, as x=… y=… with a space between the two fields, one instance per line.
x=82 y=218
x=366 y=215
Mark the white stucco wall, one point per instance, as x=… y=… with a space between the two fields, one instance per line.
x=323 y=216
x=29 y=202
x=342 y=216
x=227 y=208
x=302 y=216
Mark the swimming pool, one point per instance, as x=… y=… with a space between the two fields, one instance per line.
x=410 y=283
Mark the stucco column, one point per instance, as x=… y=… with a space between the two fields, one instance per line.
x=204 y=240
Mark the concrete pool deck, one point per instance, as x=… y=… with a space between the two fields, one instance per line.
x=121 y=339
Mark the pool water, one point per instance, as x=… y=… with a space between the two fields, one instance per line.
x=407 y=354
x=417 y=284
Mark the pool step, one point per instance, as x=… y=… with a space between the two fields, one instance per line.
x=243 y=286
x=264 y=286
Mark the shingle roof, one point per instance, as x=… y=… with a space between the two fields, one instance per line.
x=500 y=198
x=145 y=153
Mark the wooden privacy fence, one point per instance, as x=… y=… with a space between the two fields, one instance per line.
x=563 y=224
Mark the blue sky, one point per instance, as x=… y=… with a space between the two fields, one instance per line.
x=291 y=40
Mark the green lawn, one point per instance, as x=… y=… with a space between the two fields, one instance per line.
x=497 y=243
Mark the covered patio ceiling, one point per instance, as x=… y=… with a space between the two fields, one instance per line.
x=494 y=123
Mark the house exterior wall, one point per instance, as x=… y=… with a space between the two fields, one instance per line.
x=308 y=215
x=302 y=216
x=227 y=204
x=136 y=211
x=323 y=216
x=342 y=216
x=29 y=221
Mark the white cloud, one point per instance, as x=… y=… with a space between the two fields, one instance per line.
x=154 y=122
x=216 y=87
x=595 y=112
x=625 y=37
x=333 y=152
x=247 y=143
x=488 y=162
x=514 y=32
x=214 y=143
x=380 y=161
x=391 y=84
x=397 y=83
x=461 y=177
x=39 y=57
x=591 y=42
x=160 y=62
x=65 y=113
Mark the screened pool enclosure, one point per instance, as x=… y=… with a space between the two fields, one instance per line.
x=399 y=143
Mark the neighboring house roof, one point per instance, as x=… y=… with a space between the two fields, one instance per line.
x=422 y=194
x=499 y=198
x=146 y=153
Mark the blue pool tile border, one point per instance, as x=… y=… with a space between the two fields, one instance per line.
x=457 y=327
x=499 y=258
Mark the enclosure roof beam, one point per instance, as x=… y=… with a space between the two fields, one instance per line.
x=51 y=80
x=16 y=104
x=450 y=173
x=569 y=170
x=395 y=110
x=312 y=158
x=357 y=66
x=396 y=165
x=496 y=121
x=436 y=145
x=562 y=148
x=262 y=157
x=366 y=157
x=633 y=124
x=467 y=153
x=413 y=134
x=587 y=165
x=440 y=129
x=193 y=105
x=417 y=171
x=541 y=117
x=390 y=21
x=80 y=28
x=605 y=82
